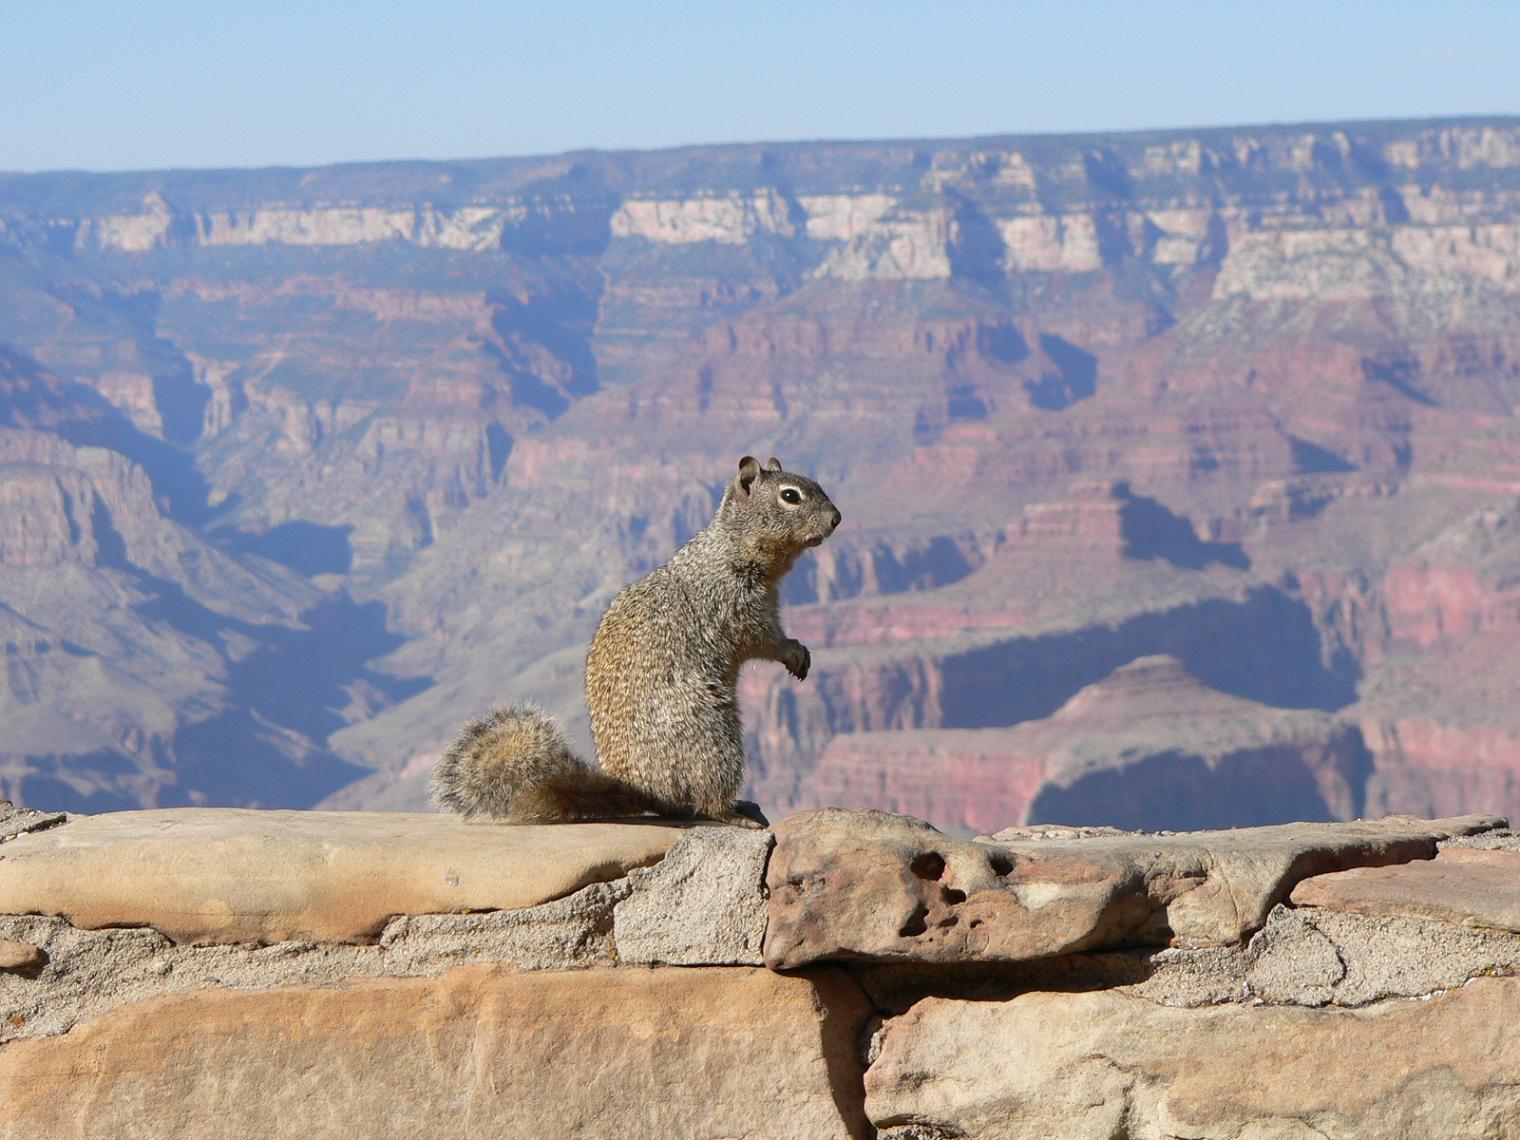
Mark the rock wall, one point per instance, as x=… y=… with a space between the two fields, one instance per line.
x=199 y=972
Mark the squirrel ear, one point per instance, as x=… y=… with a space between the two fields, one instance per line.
x=773 y=464
x=749 y=471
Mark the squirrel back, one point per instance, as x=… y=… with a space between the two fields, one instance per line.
x=661 y=676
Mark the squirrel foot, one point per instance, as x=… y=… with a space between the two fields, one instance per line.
x=743 y=814
x=796 y=658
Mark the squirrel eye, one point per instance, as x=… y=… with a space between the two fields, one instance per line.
x=791 y=495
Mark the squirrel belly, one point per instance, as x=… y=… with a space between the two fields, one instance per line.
x=516 y=765
x=661 y=677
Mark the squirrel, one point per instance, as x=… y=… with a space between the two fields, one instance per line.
x=661 y=677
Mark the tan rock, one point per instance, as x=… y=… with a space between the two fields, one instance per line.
x=88 y=973
x=232 y=875
x=480 y=1052
x=1461 y=886
x=1098 y=1065
x=16 y=955
x=868 y=885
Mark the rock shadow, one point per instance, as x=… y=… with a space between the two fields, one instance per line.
x=1075 y=378
x=1312 y=459
x=266 y=743
x=558 y=323
x=1263 y=647
x=1177 y=790
x=306 y=547
x=1151 y=531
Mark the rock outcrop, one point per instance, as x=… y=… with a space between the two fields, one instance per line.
x=198 y=973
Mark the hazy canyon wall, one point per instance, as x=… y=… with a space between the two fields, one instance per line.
x=1180 y=470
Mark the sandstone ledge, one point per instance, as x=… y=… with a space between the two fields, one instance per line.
x=480 y=1051
x=239 y=875
x=206 y=970
x=874 y=886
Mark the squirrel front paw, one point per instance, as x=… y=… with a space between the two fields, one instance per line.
x=796 y=658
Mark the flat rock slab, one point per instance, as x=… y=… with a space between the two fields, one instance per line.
x=478 y=1052
x=1093 y=1066
x=875 y=886
x=239 y=875
x=1462 y=886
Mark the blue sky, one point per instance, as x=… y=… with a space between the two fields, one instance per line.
x=163 y=83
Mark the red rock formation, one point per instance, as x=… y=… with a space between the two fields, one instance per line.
x=1244 y=398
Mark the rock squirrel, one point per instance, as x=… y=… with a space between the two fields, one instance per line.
x=661 y=677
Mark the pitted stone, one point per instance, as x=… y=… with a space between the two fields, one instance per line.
x=876 y=886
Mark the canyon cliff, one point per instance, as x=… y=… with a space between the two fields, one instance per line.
x=1180 y=470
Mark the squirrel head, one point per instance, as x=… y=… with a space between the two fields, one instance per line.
x=777 y=513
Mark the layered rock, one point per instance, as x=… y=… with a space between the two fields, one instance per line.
x=1217 y=394
x=882 y=887
x=492 y=1051
x=1096 y=1065
x=606 y=979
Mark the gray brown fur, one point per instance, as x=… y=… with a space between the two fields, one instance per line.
x=661 y=676
x=515 y=764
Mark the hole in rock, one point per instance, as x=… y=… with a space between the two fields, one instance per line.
x=951 y=895
x=930 y=865
x=1000 y=864
x=915 y=924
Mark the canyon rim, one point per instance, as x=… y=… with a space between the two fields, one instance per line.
x=1182 y=468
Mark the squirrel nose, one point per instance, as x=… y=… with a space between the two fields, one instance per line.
x=837 y=518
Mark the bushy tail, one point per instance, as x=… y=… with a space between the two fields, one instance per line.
x=516 y=765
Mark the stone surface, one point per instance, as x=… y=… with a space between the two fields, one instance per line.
x=90 y=972
x=1500 y=839
x=868 y=885
x=16 y=821
x=219 y=875
x=569 y=932
x=1169 y=976
x=1317 y=957
x=464 y=1016
x=1102 y=1065
x=702 y=905
x=20 y=956
x=478 y=1052
x=1468 y=887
